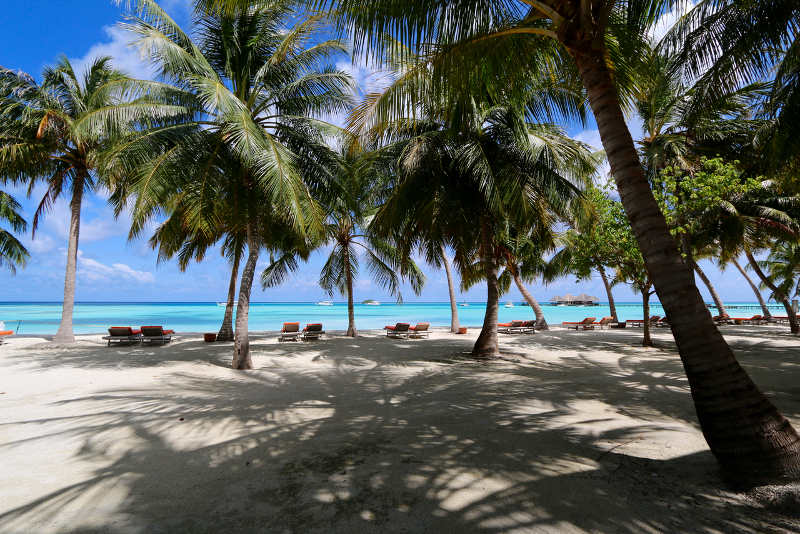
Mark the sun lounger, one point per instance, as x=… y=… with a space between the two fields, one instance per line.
x=4 y=333
x=419 y=331
x=123 y=334
x=312 y=331
x=399 y=330
x=781 y=319
x=755 y=319
x=514 y=327
x=604 y=322
x=289 y=332
x=156 y=334
x=722 y=319
x=586 y=324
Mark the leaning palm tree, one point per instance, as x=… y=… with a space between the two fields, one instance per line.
x=524 y=262
x=494 y=47
x=13 y=254
x=244 y=92
x=42 y=141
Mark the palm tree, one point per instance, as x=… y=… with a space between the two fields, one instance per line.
x=451 y=289
x=490 y=47
x=357 y=193
x=783 y=266
x=524 y=261
x=42 y=140
x=244 y=93
x=765 y=313
x=12 y=253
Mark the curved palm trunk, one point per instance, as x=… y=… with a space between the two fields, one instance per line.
x=647 y=341
x=612 y=307
x=241 y=346
x=777 y=294
x=486 y=344
x=351 y=316
x=765 y=313
x=64 y=333
x=226 y=330
x=451 y=288
x=541 y=323
x=714 y=295
x=745 y=432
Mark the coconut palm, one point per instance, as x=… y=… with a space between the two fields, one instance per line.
x=524 y=262
x=783 y=266
x=12 y=253
x=490 y=47
x=43 y=139
x=245 y=92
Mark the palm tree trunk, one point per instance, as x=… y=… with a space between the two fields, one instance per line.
x=226 y=330
x=351 y=316
x=714 y=295
x=776 y=293
x=765 y=313
x=647 y=341
x=541 y=323
x=64 y=333
x=486 y=344
x=612 y=307
x=241 y=345
x=746 y=433
x=451 y=288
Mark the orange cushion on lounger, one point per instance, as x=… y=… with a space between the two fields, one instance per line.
x=388 y=327
x=312 y=326
x=169 y=331
x=6 y=332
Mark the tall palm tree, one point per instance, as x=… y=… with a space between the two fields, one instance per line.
x=451 y=290
x=524 y=262
x=245 y=92
x=491 y=47
x=765 y=313
x=13 y=254
x=42 y=141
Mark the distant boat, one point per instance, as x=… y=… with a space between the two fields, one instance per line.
x=222 y=303
x=325 y=303
x=465 y=304
x=370 y=302
x=509 y=304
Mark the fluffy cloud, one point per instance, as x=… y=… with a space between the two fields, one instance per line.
x=124 y=57
x=667 y=20
x=97 y=271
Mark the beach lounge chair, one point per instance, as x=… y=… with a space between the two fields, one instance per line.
x=722 y=319
x=514 y=327
x=528 y=327
x=781 y=319
x=420 y=330
x=604 y=322
x=289 y=332
x=586 y=324
x=156 y=334
x=635 y=322
x=4 y=333
x=312 y=331
x=755 y=319
x=123 y=334
x=399 y=330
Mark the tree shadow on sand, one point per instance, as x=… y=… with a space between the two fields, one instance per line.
x=391 y=447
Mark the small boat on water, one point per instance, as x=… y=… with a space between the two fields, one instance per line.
x=222 y=303
x=465 y=304
x=370 y=302
x=509 y=304
x=325 y=303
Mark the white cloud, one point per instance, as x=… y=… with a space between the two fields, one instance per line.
x=667 y=20
x=124 y=57
x=97 y=271
x=591 y=138
x=41 y=244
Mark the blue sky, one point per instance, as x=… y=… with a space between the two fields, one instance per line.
x=33 y=33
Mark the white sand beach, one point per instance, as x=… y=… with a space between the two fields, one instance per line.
x=568 y=432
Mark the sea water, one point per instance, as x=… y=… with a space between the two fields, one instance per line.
x=96 y=317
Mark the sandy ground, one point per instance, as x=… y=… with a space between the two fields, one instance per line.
x=569 y=432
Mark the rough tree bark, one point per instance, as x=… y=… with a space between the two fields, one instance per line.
x=351 y=316
x=241 y=345
x=452 y=289
x=751 y=440
x=226 y=330
x=486 y=344
x=765 y=313
x=711 y=289
x=541 y=323
x=64 y=333
x=776 y=293
x=647 y=341
x=612 y=307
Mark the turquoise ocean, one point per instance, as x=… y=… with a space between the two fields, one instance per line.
x=96 y=317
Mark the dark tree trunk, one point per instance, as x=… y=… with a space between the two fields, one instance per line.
x=486 y=344
x=647 y=341
x=351 y=316
x=226 y=330
x=64 y=333
x=452 y=289
x=541 y=323
x=776 y=293
x=765 y=313
x=612 y=307
x=749 y=437
x=714 y=295
x=241 y=346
